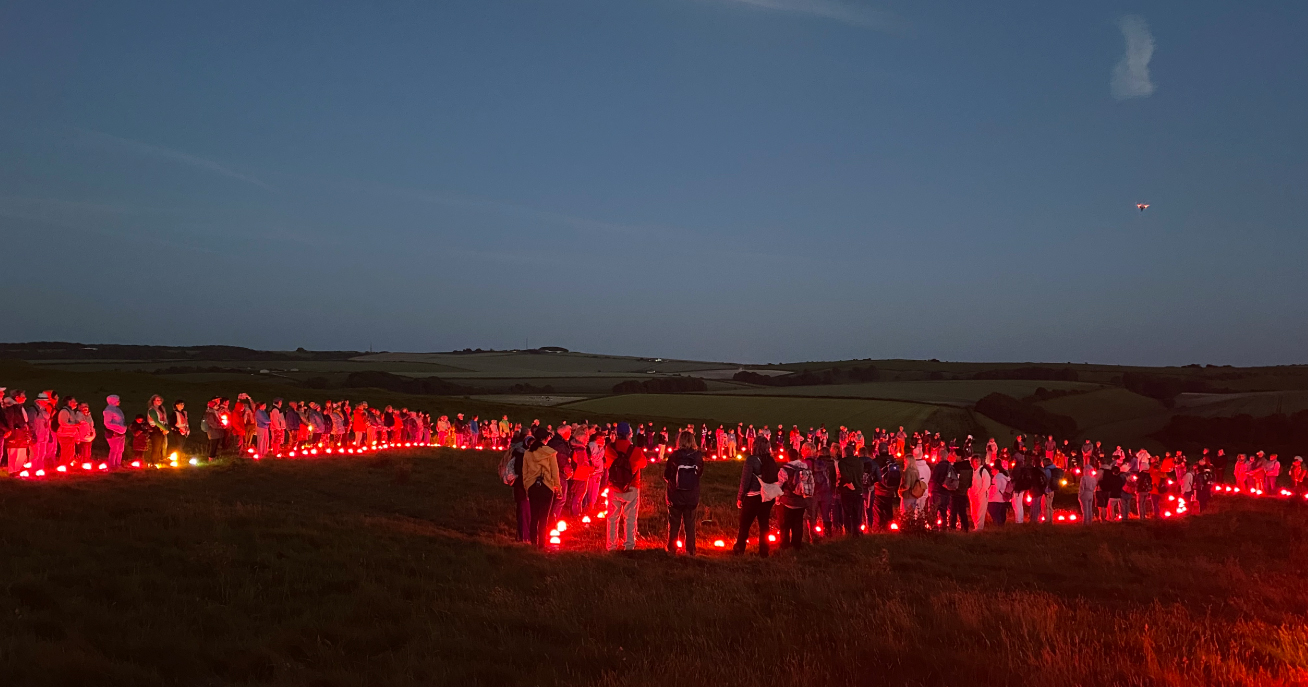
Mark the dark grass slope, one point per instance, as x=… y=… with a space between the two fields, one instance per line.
x=398 y=570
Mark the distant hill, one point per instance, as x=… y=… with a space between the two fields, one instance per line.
x=64 y=350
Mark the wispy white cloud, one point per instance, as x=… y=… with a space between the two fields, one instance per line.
x=128 y=145
x=1131 y=75
x=844 y=11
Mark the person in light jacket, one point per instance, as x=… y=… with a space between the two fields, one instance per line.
x=998 y=497
x=1086 y=493
x=979 y=493
x=540 y=474
x=115 y=431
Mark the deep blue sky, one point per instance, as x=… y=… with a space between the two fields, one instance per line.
x=752 y=180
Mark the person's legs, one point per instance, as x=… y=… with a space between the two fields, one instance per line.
x=764 y=527
x=17 y=458
x=1048 y=503
x=688 y=524
x=884 y=511
x=631 y=516
x=556 y=510
x=674 y=527
x=1019 y=508
x=978 y=514
x=960 y=509
x=116 y=442
x=540 y=498
x=1087 y=508
x=576 y=492
x=998 y=512
x=851 y=507
x=523 y=507
x=749 y=510
x=67 y=450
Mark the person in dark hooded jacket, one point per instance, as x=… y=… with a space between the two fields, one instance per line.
x=681 y=472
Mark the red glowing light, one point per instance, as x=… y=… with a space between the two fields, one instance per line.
x=680 y=544
x=561 y=526
x=894 y=526
x=86 y=466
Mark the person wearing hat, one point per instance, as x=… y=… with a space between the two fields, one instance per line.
x=115 y=431
x=1297 y=473
x=68 y=432
x=623 y=460
x=42 y=438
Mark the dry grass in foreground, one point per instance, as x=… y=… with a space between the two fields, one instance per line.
x=398 y=570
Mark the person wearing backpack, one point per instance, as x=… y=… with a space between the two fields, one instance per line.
x=885 y=490
x=511 y=473
x=849 y=484
x=942 y=477
x=681 y=473
x=540 y=472
x=624 y=461
x=913 y=486
x=1053 y=480
x=797 y=490
x=1035 y=489
x=759 y=468
x=824 y=480
x=960 y=511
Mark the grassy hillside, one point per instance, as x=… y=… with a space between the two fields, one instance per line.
x=948 y=392
x=398 y=570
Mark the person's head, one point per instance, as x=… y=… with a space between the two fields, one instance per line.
x=624 y=430
x=277 y=402
x=806 y=450
x=140 y=420
x=72 y=403
x=762 y=447
x=179 y=404
x=19 y=396
x=851 y=450
x=537 y=438
x=84 y=408
x=565 y=431
x=976 y=462
x=263 y=405
x=687 y=440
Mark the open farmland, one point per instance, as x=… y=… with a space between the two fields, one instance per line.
x=772 y=410
x=960 y=392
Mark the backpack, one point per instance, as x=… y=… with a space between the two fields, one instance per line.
x=506 y=468
x=1036 y=480
x=1144 y=483
x=891 y=475
x=686 y=477
x=1009 y=489
x=1055 y=478
x=1019 y=480
x=965 y=478
x=799 y=481
x=951 y=479
x=822 y=476
x=620 y=473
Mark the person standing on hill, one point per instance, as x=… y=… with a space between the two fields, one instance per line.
x=849 y=486
x=1087 y=493
x=941 y=494
x=623 y=460
x=39 y=423
x=562 y=445
x=1272 y=471
x=888 y=477
x=212 y=424
x=262 y=430
x=540 y=472
x=1297 y=473
x=276 y=426
x=824 y=480
x=180 y=429
x=797 y=489
x=759 y=468
x=68 y=431
x=682 y=473
x=960 y=514
x=1000 y=493
x=979 y=493
x=17 y=432
x=115 y=431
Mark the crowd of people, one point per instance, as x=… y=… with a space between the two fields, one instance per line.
x=54 y=434
x=821 y=483
x=824 y=484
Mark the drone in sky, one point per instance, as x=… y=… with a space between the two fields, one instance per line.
x=1142 y=206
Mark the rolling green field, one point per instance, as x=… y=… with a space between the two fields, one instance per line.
x=961 y=392
x=400 y=570
x=772 y=410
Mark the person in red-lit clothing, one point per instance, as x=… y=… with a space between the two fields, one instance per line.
x=624 y=461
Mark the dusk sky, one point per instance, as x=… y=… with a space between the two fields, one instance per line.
x=743 y=180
